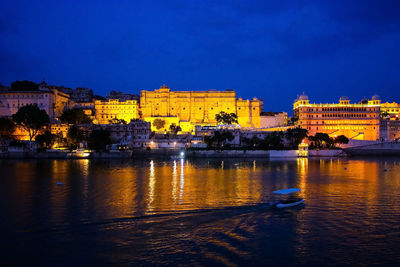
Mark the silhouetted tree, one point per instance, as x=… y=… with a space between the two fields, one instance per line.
x=117 y=121
x=226 y=118
x=32 y=119
x=7 y=128
x=75 y=136
x=99 y=139
x=273 y=140
x=321 y=140
x=341 y=139
x=75 y=116
x=46 y=140
x=159 y=123
x=174 y=128
x=385 y=114
x=24 y=86
x=219 y=138
x=295 y=136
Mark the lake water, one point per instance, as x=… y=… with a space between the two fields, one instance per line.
x=199 y=212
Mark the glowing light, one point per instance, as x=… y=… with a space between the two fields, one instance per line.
x=181 y=182
x=151 y=185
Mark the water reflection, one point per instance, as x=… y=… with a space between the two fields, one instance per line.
x=181 y=181
x=351 y=206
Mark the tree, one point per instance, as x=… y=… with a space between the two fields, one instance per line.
x=24 y=86
x=341 y=139
x=174 y=128
x=293 y=120
x=75 y=136
x=75 y=116
x=252 y=142
x=46 y=140
x=273 y=141
x=385 y=114
x=99 y=139
x=7 y=128
x=322 y=140
x=225 y=118
x=159 y=123
x=295 y=136
x=219 y=138
x=32 y=119
x=117 y=121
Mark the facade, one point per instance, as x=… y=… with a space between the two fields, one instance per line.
x=355 y=121
x=105 y=111
x=273 y=119
x=77 y=95
x=198 y=107
x=136 y=133
x=393 y=109
x=52 y=101
x=390 y=130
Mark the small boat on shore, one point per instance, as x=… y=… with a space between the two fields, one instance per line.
x=290 y=200
x=80 y=153
x=180 y=156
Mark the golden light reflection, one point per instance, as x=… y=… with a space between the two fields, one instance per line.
x=181 y=181
x=174 y=180
x=302 y=169
x=152 y=179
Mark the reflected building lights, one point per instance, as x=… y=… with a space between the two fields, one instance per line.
x=174 y=180
x=181 y=181
x=151 y=185
x=302 y=167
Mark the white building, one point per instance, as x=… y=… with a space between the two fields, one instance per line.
x=52 y=101
x=273 y=119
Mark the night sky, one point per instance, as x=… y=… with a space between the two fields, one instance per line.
x=270 y=49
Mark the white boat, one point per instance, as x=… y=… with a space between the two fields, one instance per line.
x=80 y=153
x=180 y=156
x=290 y=201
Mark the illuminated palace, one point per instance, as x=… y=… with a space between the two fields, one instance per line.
x=106 y=111
x=393 y=109
x=190 y=108
x=355 y=121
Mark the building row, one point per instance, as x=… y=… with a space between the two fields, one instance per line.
x=367 y=120
x=185 y=109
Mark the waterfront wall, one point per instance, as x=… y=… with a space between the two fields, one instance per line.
x=326 y=153
x=282 y=153
x=167 y=153
x=228 y=154
x=61 y=155
x=377 y=149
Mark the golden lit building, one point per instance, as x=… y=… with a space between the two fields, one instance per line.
x=192 y=108
x=105 y=111
x=355 y=121
x=393 y=109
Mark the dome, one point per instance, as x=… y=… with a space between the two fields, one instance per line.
x=303 y=96
x=375 y=97
x=343 y=98
x=364 y=101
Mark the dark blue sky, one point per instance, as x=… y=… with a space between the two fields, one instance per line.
x=270 y=49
